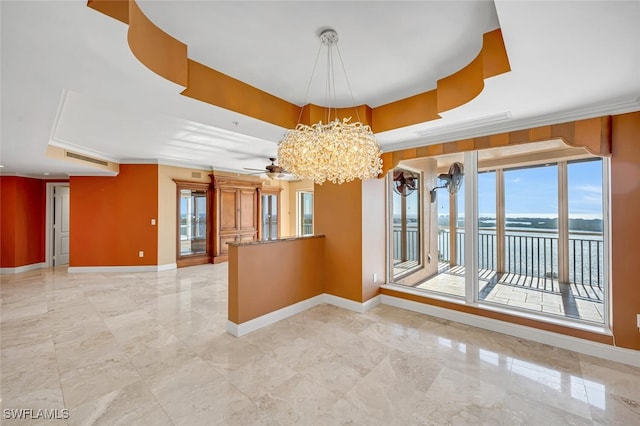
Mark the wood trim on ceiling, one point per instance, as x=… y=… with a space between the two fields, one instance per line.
x=593 y=134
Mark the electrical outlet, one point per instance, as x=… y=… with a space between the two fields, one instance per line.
x=153 y=221
x=375 y=278
x=140 y=253
x=638 y=320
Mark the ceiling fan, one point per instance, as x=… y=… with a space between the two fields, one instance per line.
x=273 y=171
x=404 y=182
x=452 y=180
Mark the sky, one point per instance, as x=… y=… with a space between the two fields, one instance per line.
x=534 y=192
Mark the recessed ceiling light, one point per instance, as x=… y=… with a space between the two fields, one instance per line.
x=46 y=173
x=1 y=166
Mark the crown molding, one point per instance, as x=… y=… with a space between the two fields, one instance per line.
x=494 y=125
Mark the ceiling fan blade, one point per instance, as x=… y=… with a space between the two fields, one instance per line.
x=257 y=170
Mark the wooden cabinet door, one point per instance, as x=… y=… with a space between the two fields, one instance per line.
x=248 y=211
x=228 y=210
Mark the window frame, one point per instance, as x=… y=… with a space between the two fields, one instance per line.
x=390 y=225
x=300 y=211
x=471 y=297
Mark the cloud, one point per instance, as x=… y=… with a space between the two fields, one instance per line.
x=592 y=189
x=515 y=180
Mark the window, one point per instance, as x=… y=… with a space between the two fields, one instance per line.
x=487 y=224
x=532 y=220
x=193 y=242
x=193 y=221
x=586 y=237
x=305 y=213
x=406 y=221
x=269 y=216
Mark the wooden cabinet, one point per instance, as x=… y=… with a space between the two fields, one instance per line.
x=236 y=218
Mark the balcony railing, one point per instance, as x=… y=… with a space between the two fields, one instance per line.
x=534 y=253
x=528 y=253
x=410 y=252
x=307 y=229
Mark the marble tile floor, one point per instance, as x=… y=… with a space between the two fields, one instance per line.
x=573 y=301
x=151 y=349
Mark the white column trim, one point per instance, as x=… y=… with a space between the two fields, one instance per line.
x=471 y=225
x=563 y=223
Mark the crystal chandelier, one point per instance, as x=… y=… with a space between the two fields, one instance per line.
x=338 y=151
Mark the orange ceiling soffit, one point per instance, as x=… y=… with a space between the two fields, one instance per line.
x=117 y=9
x=167 y=57
x=464 y=85
x=208 y=85
x=405 y=112
x=451 y=92
x=312 y=114
x=494 y=54
x=156 y=49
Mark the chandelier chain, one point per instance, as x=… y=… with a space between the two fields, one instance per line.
x=346 y=77
x=306 y=94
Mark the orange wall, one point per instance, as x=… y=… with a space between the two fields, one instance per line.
x=22 y=221
x=337 y=213
x=111 y=218
x=625 y=232
x=269 y=276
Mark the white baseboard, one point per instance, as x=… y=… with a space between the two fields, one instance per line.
x=350 y=304
x=167 y=267
x=25 y=268
x=273 y=317
x=103 y=269
x=600 y=350
x=288 y=311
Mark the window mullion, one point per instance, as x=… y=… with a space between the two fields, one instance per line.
x=563 y=223
x=471 y=225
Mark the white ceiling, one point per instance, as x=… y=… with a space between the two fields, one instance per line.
x=70 y=80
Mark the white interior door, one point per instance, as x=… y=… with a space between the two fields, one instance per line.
x=61 y=226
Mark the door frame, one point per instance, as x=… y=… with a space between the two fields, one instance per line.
x=49 y=213
x=270 y=191
x=199 y=258
x=276 y=193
